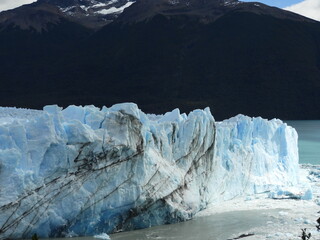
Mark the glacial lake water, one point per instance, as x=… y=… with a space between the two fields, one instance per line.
x=222 y=226
x=218 y=227
x=308 y=141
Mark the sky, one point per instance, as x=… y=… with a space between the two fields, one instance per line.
x=8 y=4
x=277 y=3
x=309 y=8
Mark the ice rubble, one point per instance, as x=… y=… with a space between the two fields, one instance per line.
x=85 y=170
x=102 y=236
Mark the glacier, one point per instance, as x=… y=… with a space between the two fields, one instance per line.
x=82 y=171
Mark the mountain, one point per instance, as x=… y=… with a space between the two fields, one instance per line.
x=205 y=10
x=89 y=13
x=229 y=55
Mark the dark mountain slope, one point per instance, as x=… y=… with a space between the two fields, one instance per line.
x=32 y=40
x=205 y=10
x=31 y=17
x=244 y=61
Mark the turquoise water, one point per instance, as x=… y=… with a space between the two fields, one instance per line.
x=309 y=140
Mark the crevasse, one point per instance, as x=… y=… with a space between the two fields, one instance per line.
x=84 y=170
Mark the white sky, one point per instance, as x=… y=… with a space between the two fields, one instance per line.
x=309 y=8
x=8 y=4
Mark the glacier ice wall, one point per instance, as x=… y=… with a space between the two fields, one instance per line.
x=85 y=170
x=254 y=155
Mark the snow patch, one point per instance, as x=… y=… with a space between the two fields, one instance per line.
x=113 y=10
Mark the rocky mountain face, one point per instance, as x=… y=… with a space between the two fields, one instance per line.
x=89 y=13
x=205 y=10
x=35 y=16
x=98 y=13
x=229 y=55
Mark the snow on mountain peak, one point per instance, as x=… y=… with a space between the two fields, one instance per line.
x=91 y=8
x=114 y=10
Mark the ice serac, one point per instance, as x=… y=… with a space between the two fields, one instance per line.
x=254 y=155
x=84 y=170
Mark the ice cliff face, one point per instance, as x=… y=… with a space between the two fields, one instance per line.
x=82 y=170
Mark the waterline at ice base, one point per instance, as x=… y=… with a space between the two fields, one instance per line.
x=82 y=171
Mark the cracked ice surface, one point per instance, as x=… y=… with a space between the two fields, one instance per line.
x=85 y=170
